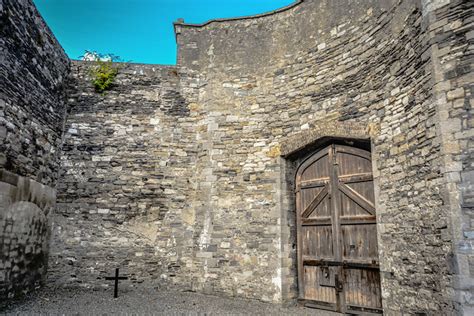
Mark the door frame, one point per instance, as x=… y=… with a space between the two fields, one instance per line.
x=303 y=158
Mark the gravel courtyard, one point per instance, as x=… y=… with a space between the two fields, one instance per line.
x=144 y=302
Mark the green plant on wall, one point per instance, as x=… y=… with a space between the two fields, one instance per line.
x=104 y=70
x=103 y=75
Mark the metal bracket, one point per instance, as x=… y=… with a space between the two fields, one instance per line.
x=339 y=285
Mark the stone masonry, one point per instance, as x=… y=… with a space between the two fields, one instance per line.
x=183 y=176
x=25 y=223
x=33 y=67
x=124 y=198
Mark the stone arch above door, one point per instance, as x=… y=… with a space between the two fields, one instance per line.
x=297 y=143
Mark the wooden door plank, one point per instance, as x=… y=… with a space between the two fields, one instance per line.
x=355 y=178
x=353 y=264
x=307 y=163
x=299 y=246
x=320 y=221
x=335 y=198
x=353 y=151
x=356 y=197
x=316 y=201
x=358 y=286
x=361 y=221
x=314 y=183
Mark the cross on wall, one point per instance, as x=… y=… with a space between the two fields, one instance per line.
x=116 y=278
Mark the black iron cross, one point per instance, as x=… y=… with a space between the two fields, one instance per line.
x=116 y=278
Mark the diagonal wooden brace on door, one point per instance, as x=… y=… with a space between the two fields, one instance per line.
x=315 y=202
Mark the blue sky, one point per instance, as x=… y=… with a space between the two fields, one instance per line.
x=136 y=30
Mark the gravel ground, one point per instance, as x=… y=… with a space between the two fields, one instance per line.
x=144 y=302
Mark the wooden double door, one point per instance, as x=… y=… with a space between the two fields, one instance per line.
x=338 y=266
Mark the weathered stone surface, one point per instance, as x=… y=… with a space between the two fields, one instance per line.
x=452 y=62
x=305 y=72
x=25 y=211
x=33 y=67
x=126 y=182
x=184 y=176
x=323 y=130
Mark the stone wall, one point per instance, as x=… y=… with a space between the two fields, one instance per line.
x=32 y=72
x=125 y=194
x=33 y=67
x=25 y=228
x=298 y=70
x=452 y=37
x=183 y=176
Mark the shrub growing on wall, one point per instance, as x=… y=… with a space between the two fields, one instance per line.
x=104 y=70
x=103 y=75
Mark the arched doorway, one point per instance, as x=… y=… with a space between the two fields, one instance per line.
x=338 y=264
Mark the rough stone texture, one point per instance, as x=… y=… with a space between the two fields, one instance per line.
x=368 y=63
x=306 y=138
x=127 y=168
x=451 y=35
x=25 y=207
x=33 y=67
x=370 y=68
x=183 y=176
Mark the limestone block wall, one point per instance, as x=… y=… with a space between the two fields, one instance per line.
x=183 y=175
x=452 y=37
x=126 y=189
x=297 y=71
x=32 y=71
x=33 y=67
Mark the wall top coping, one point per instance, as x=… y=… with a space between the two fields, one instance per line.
x=180 y=22
x=131 y=67
x=76 y=62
